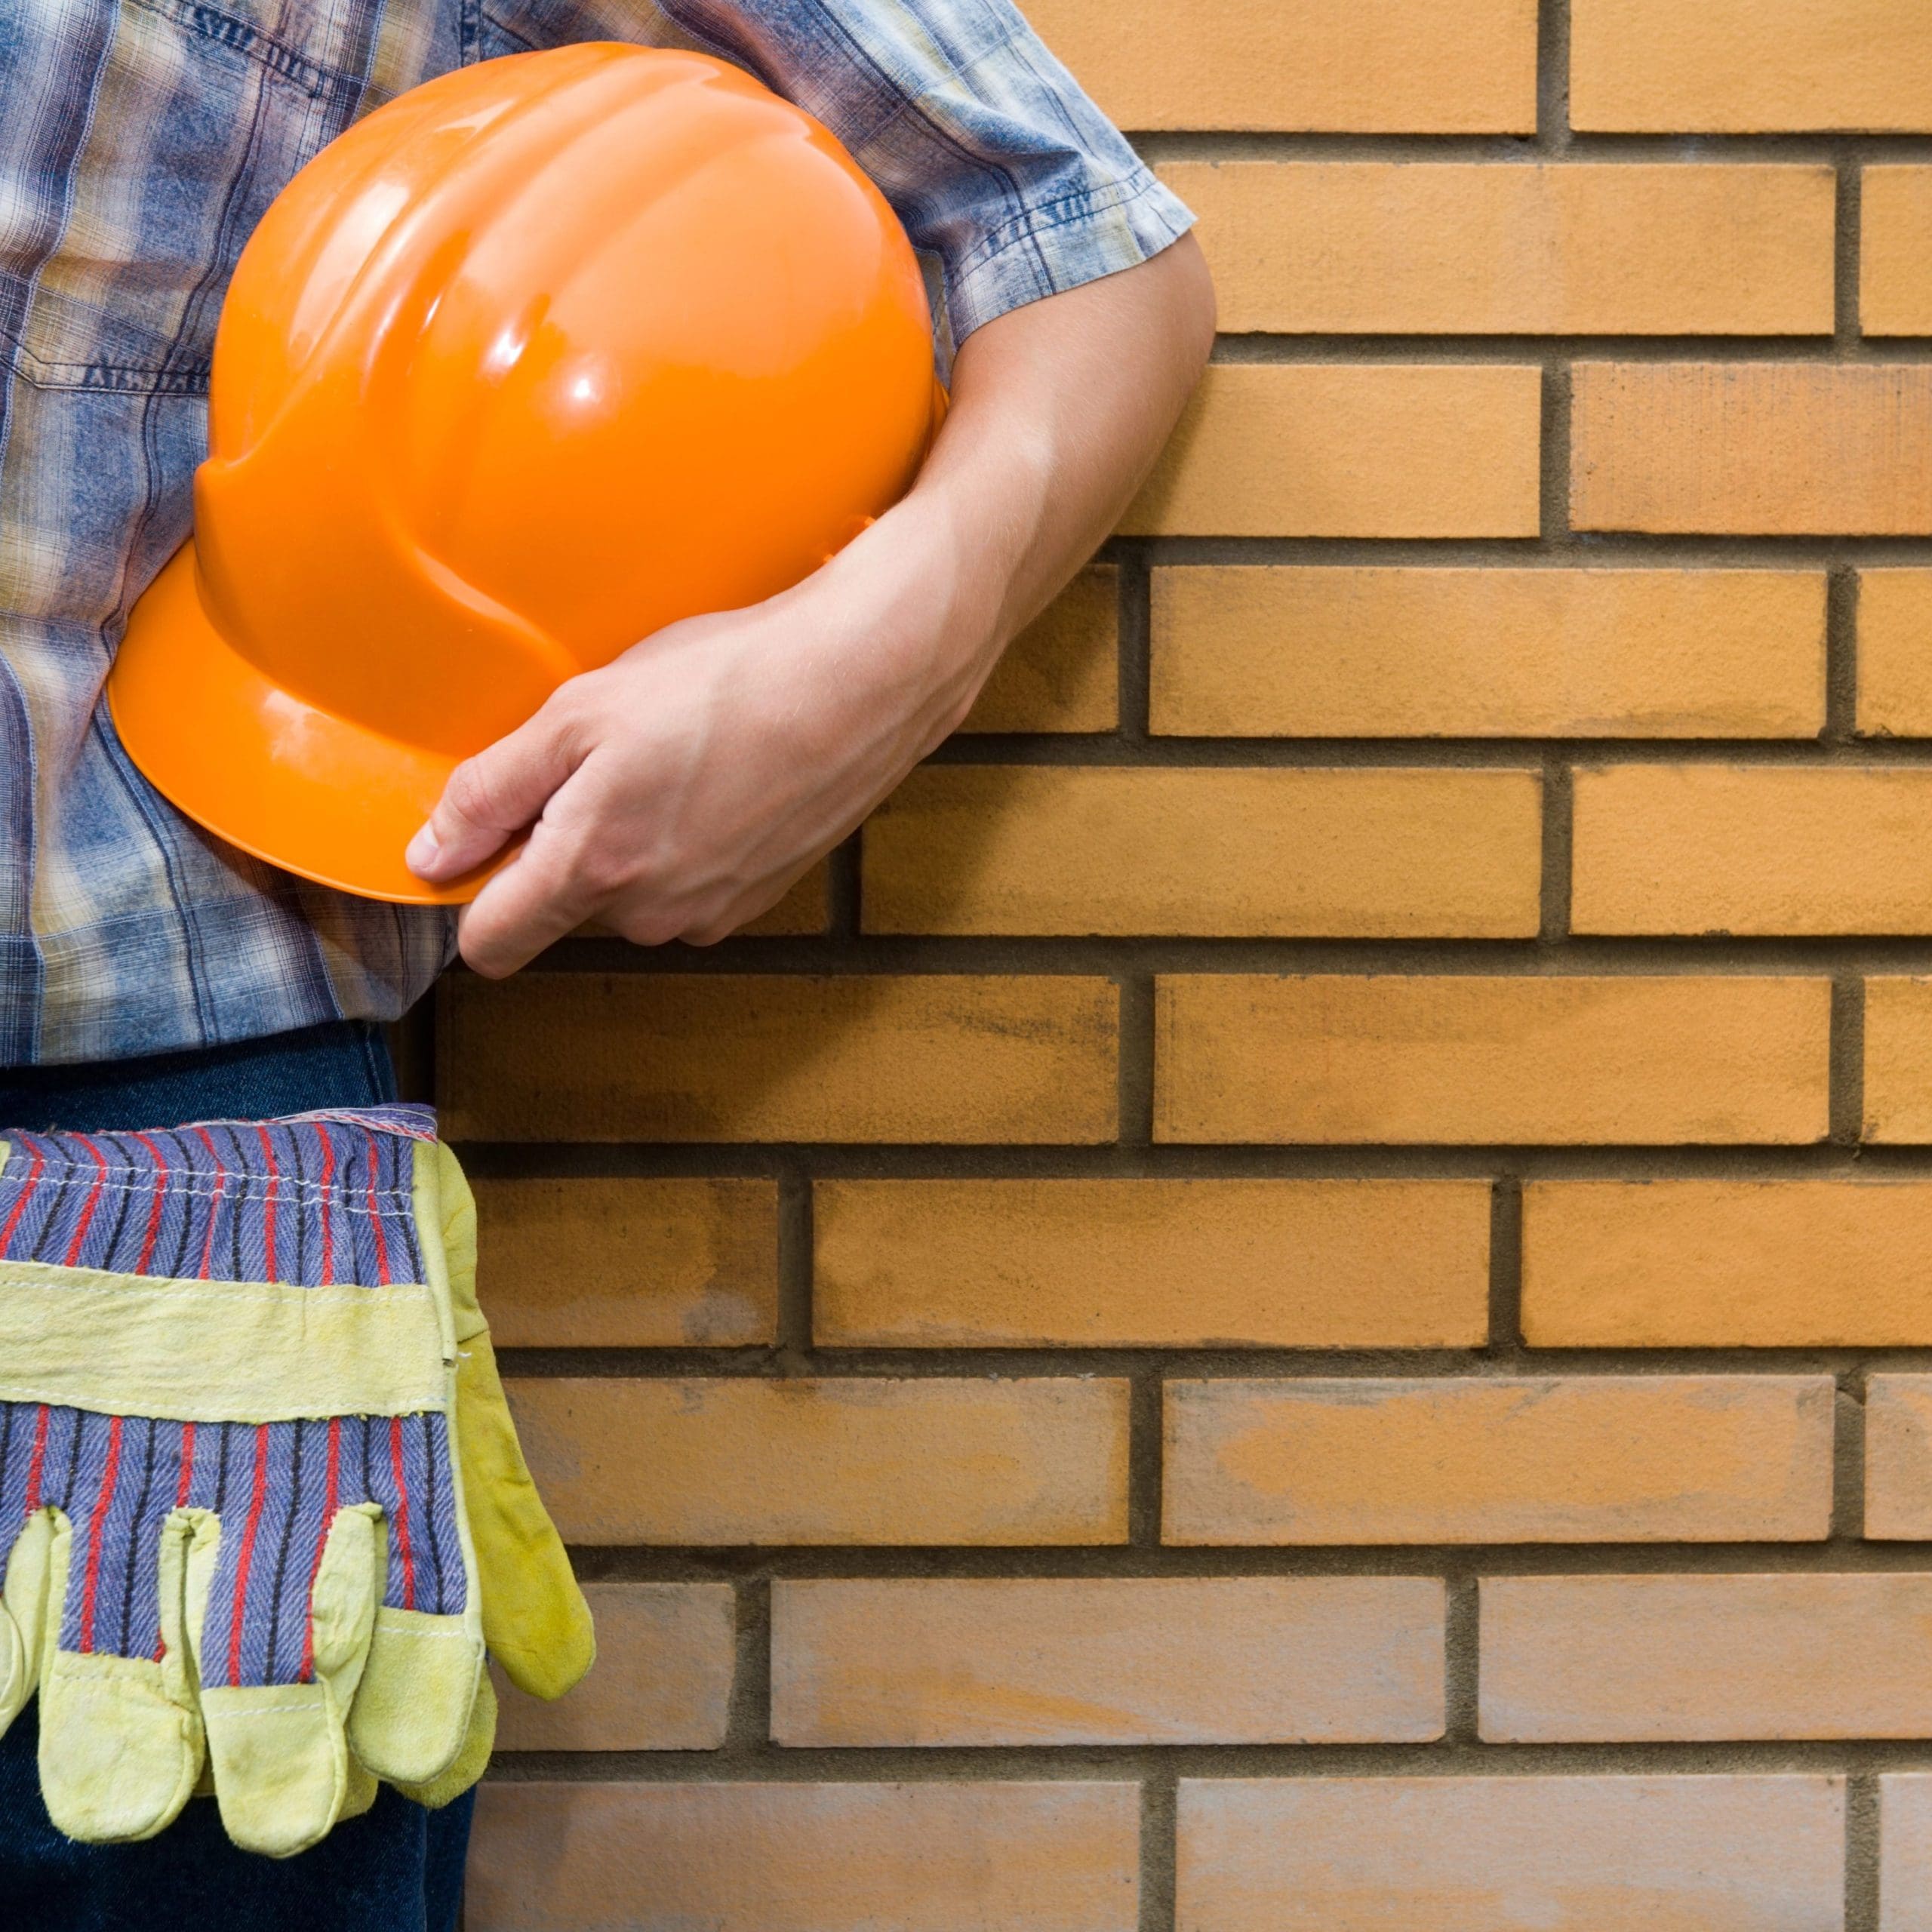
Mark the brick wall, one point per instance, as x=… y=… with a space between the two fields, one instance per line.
x=1299 y=1294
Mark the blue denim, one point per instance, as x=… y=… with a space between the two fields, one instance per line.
x=397 y=1868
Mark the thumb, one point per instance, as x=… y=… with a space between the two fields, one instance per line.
x=490 y=798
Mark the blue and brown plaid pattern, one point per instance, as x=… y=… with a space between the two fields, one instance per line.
x=322 y=1200
x=140 y=141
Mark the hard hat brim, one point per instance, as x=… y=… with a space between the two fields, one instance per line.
x=317 y=794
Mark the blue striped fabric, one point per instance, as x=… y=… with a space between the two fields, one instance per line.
x=321 y=1198
x=140 y=145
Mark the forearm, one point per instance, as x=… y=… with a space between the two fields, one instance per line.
x=1059 y=411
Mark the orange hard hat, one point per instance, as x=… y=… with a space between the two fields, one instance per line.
x=542 y=355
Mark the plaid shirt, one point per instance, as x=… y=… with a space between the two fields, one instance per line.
x=140 y=141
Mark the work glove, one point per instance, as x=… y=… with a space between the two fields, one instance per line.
x=261 y=1506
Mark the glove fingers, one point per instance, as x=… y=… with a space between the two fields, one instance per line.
x=412 y=1711
x=280 y=1754
x=23 y=1615
x=471 y=1761
x=363 y=1788
x=118 y=1756
x=119 y=1750
x=281 y=1765
x=12 y=1668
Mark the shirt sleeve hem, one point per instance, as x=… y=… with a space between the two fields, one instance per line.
x=1062 y=245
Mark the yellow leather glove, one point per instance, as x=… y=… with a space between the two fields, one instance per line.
x=266 y=1507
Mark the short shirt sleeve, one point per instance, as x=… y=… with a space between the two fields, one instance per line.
x=1002 y=170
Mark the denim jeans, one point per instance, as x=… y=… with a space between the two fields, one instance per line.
x=397 y=1868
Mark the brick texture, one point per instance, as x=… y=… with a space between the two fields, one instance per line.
x=1695 y=1657
x=1244 y=651
x=1164 y=1661
x=665 y=1653
x=1898 y=1059
x=1389 y=247
x=1702 y=848
x=1406 y=66
x=1333 y=1202
x=1894 y=660
x=940 y=1057
x=792 y=1857
x=1905 y=1873
x=1307 y=1264
x=1382 y=854
x=1489 y=1059
x=1895 y=251
x=1452 y=1854
x=1748 y=449
x=1585 y=1458
x=618 y=1263
x=1336 y=450
x=739 y=1460
x=1898 y=1456
x=1744 y=67
x=804 y=909
x=1061 y=673
x=1703 y=1264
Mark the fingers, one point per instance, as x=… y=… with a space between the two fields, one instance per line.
x=280 y=1750
x=119 y=1750
x=23 y=1615
x=471 y=1761
x=492 y=796
x=412 y=1709
x=536 y=900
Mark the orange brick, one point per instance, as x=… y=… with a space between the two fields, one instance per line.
x=1058 y=1856
x=1895 y=251
x=620 y=1263
x=1895 y=652
x=1061 y=673
x=1625 y=1659
x=1468 y=1854
x=732 y=1056
x=1402 y=66
x=1898 y=1457
x=806 y=908
x=1585 y=1459
x=1905 y=1843
x=1330 y=651
x=1305 y=1264
x=1734 y=448
x=1898 y=1059
x=1727 y=1264
x=1747 y=66
x=1166 y=1660
x=1489 y=1058
x=1703 y=848
x=1483 y=247
x=745 y=1461
x=662 y=1681
x=1340 y=449
x=1384 y=854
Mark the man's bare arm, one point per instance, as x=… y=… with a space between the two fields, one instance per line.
x=678 y=791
